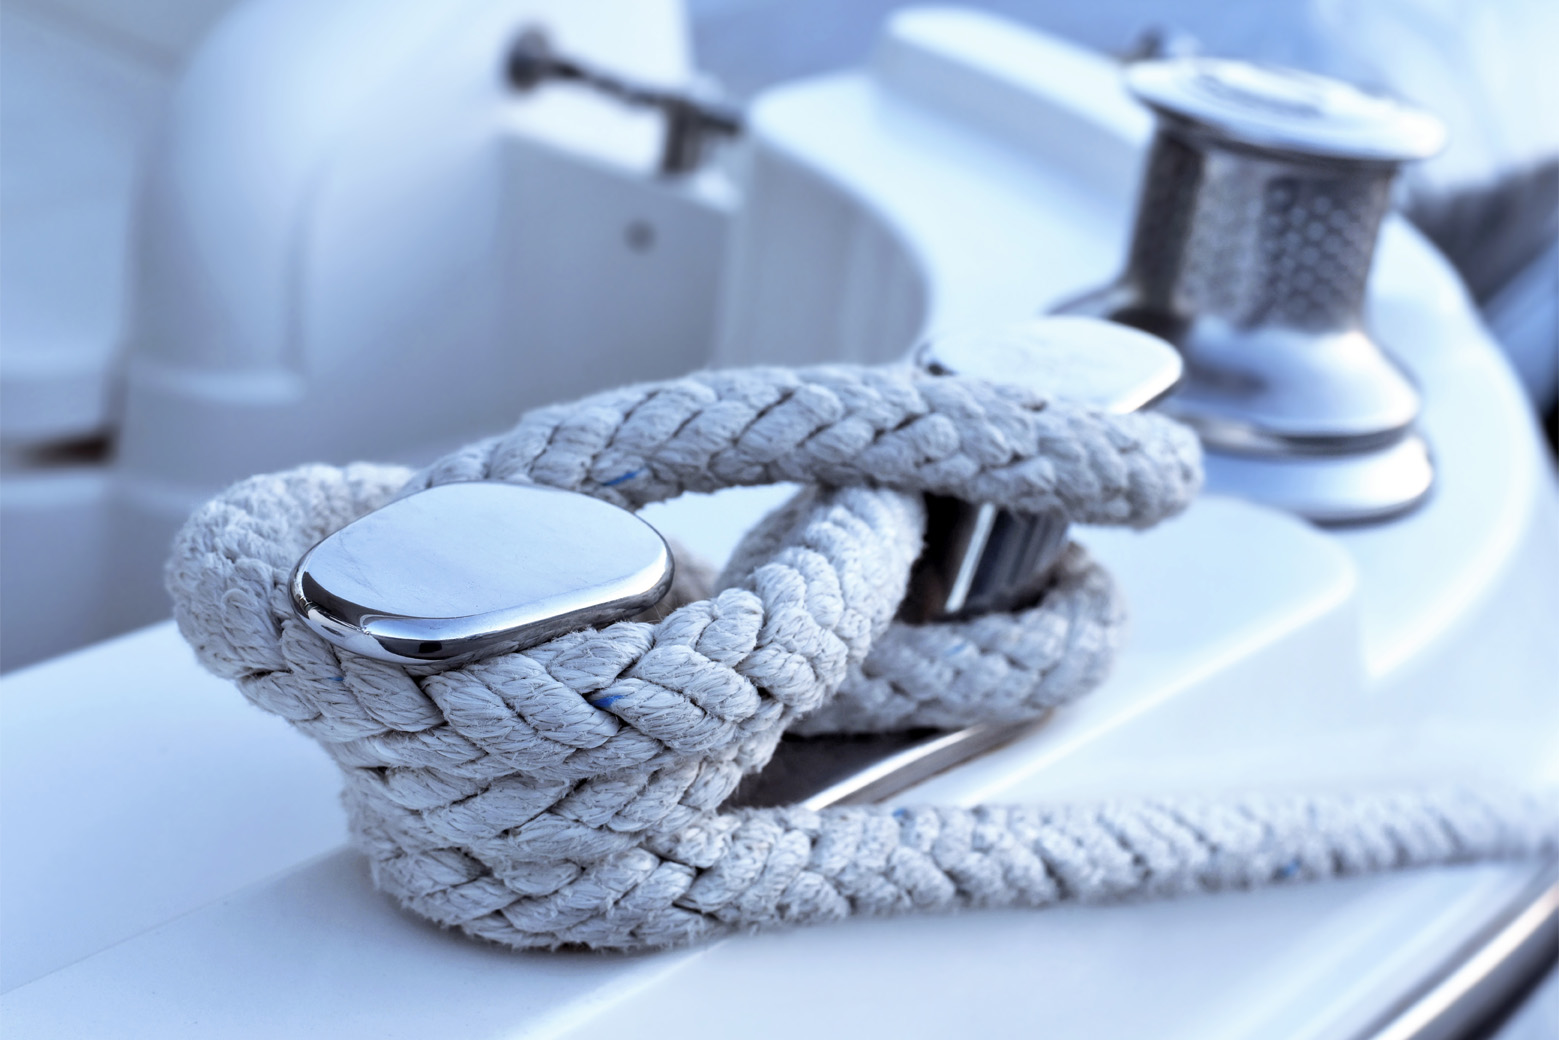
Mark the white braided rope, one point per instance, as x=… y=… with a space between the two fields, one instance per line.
x=572 y=792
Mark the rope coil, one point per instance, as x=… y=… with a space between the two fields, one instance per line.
x=572 y=792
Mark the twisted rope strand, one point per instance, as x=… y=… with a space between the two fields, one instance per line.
x=572 y=792
x=840 y=426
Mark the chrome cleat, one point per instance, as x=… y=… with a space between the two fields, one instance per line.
x=981 y=558
x=464 y=570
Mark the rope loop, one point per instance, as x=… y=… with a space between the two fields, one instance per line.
x=572 y=793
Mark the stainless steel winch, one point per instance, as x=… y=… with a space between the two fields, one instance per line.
x=1258 y=215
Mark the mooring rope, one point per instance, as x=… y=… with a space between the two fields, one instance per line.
x=572 y=793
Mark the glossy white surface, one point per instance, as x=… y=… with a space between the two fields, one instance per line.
x=1263 y=654
x=347 y=206
x=136 y=787
x=77 y=110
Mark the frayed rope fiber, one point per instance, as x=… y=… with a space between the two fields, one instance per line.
x=571 y=793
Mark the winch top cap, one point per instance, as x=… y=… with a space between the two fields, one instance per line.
x=461 y=570
x=1285 y=110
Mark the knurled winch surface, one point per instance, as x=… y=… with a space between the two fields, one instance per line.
x=1255 y=241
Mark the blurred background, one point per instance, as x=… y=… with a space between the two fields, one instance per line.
x=236 y=235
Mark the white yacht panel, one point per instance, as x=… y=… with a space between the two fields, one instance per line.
x=137 y=788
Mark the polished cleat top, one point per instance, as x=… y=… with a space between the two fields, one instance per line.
x=1085 y=360
x=462 y=570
